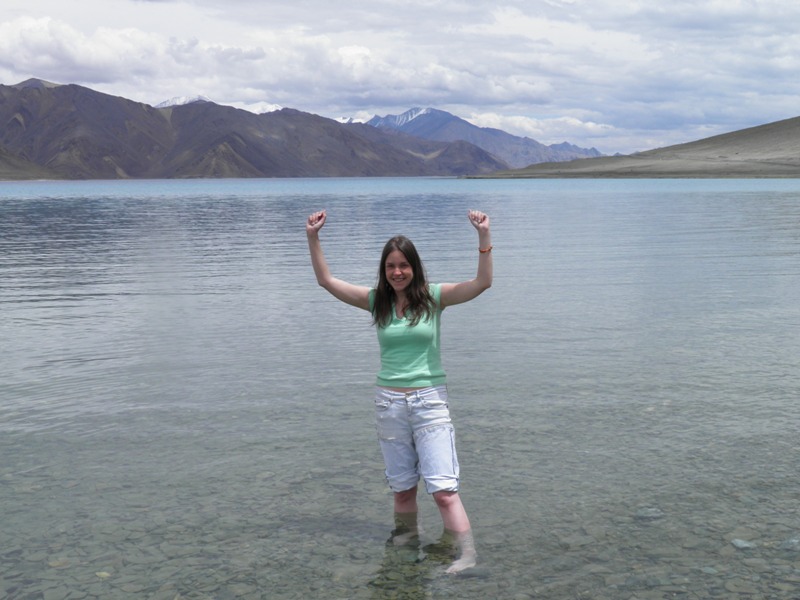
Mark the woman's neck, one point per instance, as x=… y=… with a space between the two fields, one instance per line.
x=400 y=303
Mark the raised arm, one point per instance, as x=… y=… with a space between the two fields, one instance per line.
x=456 y=293
x=354 y=295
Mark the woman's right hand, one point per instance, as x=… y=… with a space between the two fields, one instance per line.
x=315 y=222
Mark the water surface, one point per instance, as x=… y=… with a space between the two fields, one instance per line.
x=183 y=411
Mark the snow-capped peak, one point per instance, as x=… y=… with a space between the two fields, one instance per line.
x=181 y=100
x=397 y=121
x=412 y=114
x=349 y=120
x=258 y=108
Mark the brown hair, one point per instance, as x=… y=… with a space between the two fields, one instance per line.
x=420 y=302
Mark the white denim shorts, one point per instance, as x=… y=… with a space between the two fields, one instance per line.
x=417 y=439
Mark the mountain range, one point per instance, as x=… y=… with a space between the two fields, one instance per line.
x=72 y=132
x=433 y=124
x=51 y=131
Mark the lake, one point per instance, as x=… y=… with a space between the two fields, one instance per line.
x=184 y=413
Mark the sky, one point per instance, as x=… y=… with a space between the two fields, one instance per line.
x=618 y=75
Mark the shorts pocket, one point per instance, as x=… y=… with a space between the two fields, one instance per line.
x=434 y=403
x=382 y=404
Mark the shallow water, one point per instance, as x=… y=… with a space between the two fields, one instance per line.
x=183 y=412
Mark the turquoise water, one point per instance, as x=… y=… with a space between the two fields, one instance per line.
x=184 y=413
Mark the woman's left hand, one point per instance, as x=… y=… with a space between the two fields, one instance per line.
x=479 y=220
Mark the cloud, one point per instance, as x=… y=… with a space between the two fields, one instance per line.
x=55 y=50
x=621 y=75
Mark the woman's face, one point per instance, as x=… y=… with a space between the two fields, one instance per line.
x=398 y=271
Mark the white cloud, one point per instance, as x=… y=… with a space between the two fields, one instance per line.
x=621 y=75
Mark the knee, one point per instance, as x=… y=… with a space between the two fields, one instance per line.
x=445 y=500
x=406 y=496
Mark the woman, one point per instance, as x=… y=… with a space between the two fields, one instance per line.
x=413 y=421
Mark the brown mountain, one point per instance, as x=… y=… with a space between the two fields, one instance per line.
x=771 y=150
x=72 y=132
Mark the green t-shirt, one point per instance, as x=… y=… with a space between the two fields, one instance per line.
x=410 y=356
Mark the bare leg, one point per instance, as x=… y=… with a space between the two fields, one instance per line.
x=405 y=517
x=406 y=529
x=457 y=524
x=466 y=555
x=406 y=502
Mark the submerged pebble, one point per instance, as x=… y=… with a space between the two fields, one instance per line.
x=649 y=514
x=792 y=544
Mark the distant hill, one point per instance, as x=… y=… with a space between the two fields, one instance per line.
x=769 y=151
x=73 y=132
x=433 y=124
